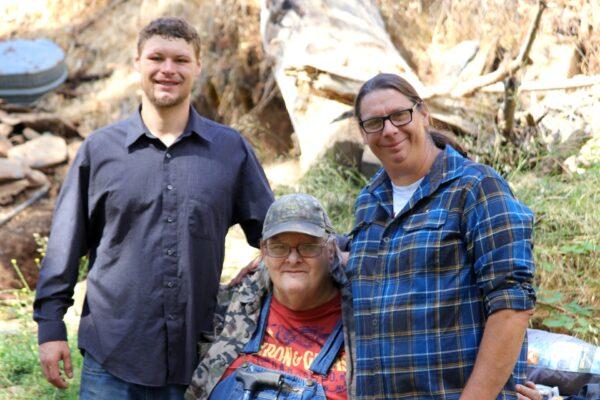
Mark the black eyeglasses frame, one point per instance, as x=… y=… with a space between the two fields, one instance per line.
x=388 y=118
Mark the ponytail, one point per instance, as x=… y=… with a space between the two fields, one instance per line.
x=441 y=139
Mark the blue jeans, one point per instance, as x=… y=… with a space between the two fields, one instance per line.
x=98 y=384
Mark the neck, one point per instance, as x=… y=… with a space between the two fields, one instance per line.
x=166 y=123
x=406 y=176
x=306 y=301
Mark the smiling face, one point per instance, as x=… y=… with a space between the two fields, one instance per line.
x=401 y=150
x=168 y=69
x=300 y=283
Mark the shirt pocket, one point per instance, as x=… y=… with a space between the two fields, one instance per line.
x=201 y=220
x=432 y=245
x=433 y=219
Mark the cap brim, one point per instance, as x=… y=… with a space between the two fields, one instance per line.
x=295 y=226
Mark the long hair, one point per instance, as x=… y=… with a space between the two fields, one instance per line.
x=401 y=85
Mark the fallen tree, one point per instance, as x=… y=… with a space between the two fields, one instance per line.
x=324 y=50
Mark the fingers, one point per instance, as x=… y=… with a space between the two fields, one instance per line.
x=528 y=392
x=53 y=375
x=345 y=256
x=530 y=385
x=67 y=364
x=50 y=355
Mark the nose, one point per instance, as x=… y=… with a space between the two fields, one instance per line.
x=294 y=256
x=168 y=66
x=388 y=128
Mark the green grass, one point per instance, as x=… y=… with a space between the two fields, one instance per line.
x=21 y=375
x=567 y=249
x=336 y=187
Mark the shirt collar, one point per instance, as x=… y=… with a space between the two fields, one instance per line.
x=447 y=166
x=195 y=125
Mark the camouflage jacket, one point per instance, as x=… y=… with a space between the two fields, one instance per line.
x=236 y=319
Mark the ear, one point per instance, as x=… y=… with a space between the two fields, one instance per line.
x=424 y=112
x=364 y=136
x=136 y=61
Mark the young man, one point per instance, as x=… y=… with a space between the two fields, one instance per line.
x=150 y=200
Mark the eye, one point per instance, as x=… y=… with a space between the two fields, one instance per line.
x=373 y=124
x=278 y=249
x=400 y=117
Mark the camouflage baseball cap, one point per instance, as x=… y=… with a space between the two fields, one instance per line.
x=296 y=213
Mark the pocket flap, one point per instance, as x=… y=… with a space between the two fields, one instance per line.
x=429 y=220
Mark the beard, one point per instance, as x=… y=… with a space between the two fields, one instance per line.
x=164 y=102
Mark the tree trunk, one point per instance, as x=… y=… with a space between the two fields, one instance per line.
x=322 y=52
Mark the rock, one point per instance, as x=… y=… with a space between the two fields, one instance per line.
x=36 y=178
x=10 y=119
x=45 y=151
x=8 y=191
x=5 y=145
x=30 y=133
x=45 y=122
x=17 y=140
x=72 y=149
x=5 y=129
x=10 y=170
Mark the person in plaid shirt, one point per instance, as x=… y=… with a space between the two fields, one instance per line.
x=440 y=262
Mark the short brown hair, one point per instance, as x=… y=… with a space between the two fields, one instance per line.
x=170 y=27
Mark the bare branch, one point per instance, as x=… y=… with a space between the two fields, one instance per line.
x=30 y=201
x=473 y=85
x=571 y=83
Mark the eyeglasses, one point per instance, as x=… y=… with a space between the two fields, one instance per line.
x=282 y=250
x=397 y=118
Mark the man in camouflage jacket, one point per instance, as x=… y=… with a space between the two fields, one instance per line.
x=236 y=318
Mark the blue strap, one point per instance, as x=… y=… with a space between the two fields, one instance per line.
x=254 y=344
x=323 y=362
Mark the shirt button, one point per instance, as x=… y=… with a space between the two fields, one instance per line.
x=169 y=187
x=171 y=317
x=386 y=239
x=374 y=321
x=170 y=219
x=170 y=284
x=168 y=155
x=170 y=252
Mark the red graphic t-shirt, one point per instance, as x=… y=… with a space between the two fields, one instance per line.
x=292 y=341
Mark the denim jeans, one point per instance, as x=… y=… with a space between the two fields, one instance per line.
x=98 y=384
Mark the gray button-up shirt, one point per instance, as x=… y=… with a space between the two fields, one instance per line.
x=153 y=221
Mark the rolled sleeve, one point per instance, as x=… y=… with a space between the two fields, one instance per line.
x=500 y=241
x=67 y=243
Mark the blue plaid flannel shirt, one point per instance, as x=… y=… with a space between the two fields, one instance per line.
x=425 y=281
